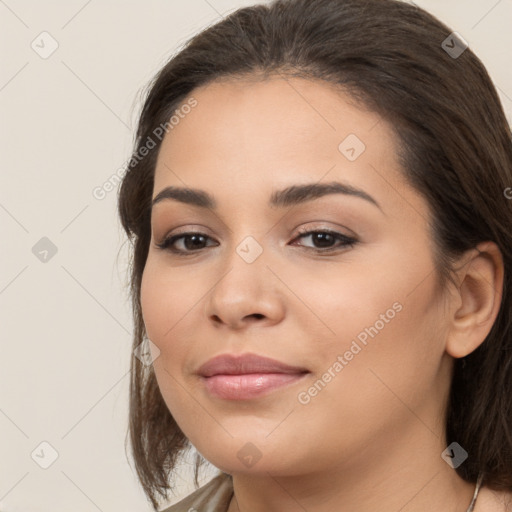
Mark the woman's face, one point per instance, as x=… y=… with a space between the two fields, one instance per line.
x=366 y=321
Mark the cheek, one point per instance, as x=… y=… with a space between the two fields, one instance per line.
x=387 y=360
x=336 y=303
x=166 y=298
x=170 y=300
x=383 y=314
x=161 y=311
x=151 y=305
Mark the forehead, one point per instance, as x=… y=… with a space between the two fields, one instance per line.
x=287 y=117
x=259 y=135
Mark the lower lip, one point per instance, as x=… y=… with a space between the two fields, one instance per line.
x=250 y=385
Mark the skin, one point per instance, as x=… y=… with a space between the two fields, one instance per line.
x=372 y=438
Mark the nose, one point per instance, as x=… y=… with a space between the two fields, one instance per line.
x=246 y=293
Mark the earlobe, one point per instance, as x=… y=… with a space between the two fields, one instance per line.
x=479 y=299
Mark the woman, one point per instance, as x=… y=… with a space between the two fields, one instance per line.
x=319 y=205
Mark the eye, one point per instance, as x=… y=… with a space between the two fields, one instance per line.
x=325 y=238
x=194 y=241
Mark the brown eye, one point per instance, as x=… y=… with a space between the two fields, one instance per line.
x=324 y=239
x=192 y=242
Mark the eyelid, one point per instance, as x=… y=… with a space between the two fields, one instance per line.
x=323 y=228
x=186 y=229
x=343 y=241
x=190 y=230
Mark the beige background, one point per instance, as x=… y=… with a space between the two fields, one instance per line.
x=67 y=125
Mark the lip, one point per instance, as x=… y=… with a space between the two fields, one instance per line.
x=231 y=364
x=247 y=376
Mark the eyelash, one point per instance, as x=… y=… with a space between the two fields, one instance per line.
x=347 y=242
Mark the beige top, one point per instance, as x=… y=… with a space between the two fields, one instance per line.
x=214 y=496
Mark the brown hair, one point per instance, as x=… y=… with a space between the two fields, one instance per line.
x=455 y=148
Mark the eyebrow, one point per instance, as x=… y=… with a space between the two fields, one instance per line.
x=289 y=196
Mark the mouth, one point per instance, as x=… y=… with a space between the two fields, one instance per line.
x=232 y=377
x=250 y=385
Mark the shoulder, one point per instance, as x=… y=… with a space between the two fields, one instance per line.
x=214 y=496
x=493 y=501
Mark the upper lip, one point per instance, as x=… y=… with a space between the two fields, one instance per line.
x=230 y=364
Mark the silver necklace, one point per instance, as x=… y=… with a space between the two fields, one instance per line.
x=477 y=490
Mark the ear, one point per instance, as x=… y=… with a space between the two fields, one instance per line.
x=477 y=299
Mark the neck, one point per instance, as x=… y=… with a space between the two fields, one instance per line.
x=405 y=474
